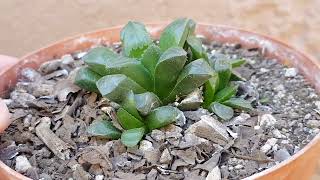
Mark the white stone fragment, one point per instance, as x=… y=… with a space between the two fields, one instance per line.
x=215 y=174
x=267 y=120
x=277 y=134
x=99 y=177
x=268 y=145
x=211 y=129
x=146 y=145
x=22 y=164
x=290 y=72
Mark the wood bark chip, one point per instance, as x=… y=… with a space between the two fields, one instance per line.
x=52 y=141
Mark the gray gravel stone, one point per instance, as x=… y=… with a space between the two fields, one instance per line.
x=281 y=155
x=313 y=123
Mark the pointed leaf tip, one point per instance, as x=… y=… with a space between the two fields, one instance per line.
x=97 y=58
x=162 y=116
x=115 y=87
x=86 y=79
x=176 y=33
x=128 y=121
x=239 y=103
x=135 y=39
x=222 y=111
x=132 y=137
x=104 y=128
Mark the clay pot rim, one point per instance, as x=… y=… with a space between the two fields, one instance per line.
x=160 y=25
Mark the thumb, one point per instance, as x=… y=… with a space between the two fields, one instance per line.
x=4 y=116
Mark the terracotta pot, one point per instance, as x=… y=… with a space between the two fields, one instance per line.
x=299 y=166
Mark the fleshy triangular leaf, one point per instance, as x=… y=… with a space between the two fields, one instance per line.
x=226 y=93
x=235 y=76
x=192 y=76
x=86 y=79
x=161 y=116
x=222 y=111
x=223 y=68
x=115 y=87
x=146 y=102
x=237 y=62
x=150 y=58
x=210 y=89
x=97 y=58
x=176 y=33
x=168 y=69
x=239 y=103
x=129 y=104
x=132 y=68
x=197 y=50
x=104 y=128
x=128 y=121
x=132 y=137
x=135 y=39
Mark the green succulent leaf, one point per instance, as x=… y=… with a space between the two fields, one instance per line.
x=146 y=102
x=86 y=79
x=115 y=87
x=135 y=39
x=239 y=103
x=129 y=104
x=223 y=111
x=197 y=50
x=235 y=76
x=97 y=58
x=162 y=116
x=237 y=62
x=226 y=93
x=128 y=121
x=150 y=58
x=223 y=68
x=104 y=128
x=210 y=88
x=132 y=137
x=192 y=76
x=167 y=70
x=132 y=68
x=176 y=33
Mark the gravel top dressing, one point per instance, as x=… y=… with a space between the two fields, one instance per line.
x=48 y=138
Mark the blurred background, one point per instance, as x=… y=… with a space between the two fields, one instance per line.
x=29 y=25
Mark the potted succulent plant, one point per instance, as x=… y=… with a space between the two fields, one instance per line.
x=149 y=94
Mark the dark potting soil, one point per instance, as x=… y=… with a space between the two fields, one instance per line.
x=48 y=139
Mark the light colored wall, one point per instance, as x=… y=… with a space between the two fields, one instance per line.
x=28 y=25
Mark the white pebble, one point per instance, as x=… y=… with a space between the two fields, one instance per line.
x=264 y=70
x=99 y=177
x=145 y=145
x=277 y=134
x=265 y=148
x=317 y=103
x=239 y=166
x=22 y=164
x=290 y=72
x=267 y=120
x=268 y=145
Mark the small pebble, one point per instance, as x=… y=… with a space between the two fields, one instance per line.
x=267 y=120
x=268 y=145
x=239 y=166
x=22 y=164
x=290 y=72
x=99 y=177
x=313 y=123
x=281 y=155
